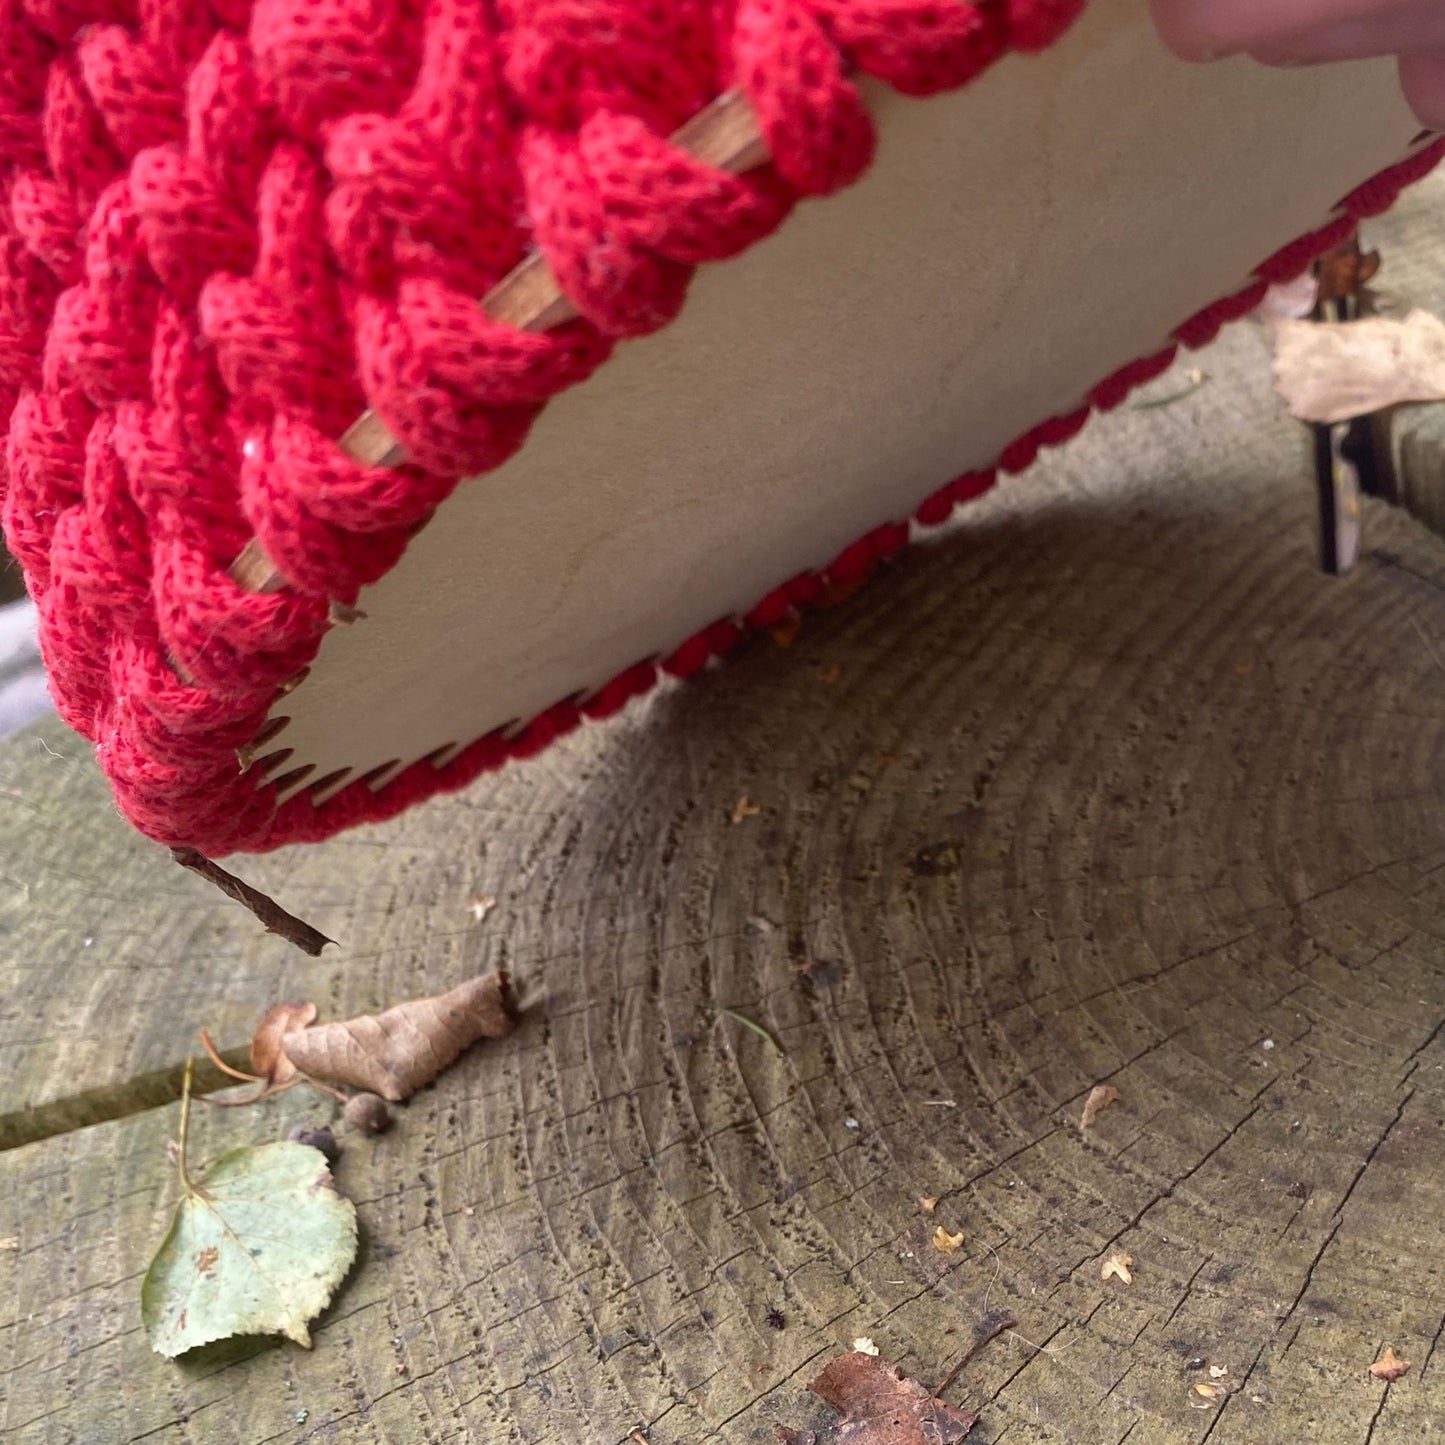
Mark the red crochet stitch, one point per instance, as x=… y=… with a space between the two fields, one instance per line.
x=229 y=227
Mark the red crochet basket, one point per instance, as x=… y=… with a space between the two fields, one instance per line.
x=278 y=277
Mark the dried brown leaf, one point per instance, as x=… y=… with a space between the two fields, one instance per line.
x=1345 y=270
x=268 y=1057
x=1218 y=1372
x=1389 y=1366
x=945 y=1242
x=1118 y=1265
x=880 y=1406
x=1206 y=1391
x=394 y=1053
x=1100 y=1097
x=1332 y=371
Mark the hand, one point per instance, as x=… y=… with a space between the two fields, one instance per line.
x=1308 y=32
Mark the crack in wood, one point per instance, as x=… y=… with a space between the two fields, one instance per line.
x=152 y=1090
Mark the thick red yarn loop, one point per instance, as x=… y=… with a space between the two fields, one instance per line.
x=229 y=226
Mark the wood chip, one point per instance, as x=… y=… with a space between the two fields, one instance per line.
x=481 y=906
x=1218 y=1372
x=10 y=1244
x=945 y=1242
x=744 y=809
x=865 y=1346
x=786 y=632
x=1389 y=1366
x=1100 y=1097
x=1206 y=1391
x=928 y=1202
x=1119 y=1266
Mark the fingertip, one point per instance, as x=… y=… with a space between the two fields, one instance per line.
x=1423 y=80
x=1184 y=27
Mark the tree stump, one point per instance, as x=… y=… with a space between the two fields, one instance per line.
x=1109 y=786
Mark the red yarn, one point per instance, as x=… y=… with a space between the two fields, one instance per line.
x=228 y=227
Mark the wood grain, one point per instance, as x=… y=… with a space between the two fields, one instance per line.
x=1110 y=786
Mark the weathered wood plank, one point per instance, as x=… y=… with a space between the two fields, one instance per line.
x=1110 y=786
x=111 y=956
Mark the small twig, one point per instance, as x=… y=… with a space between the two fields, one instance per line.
x=336 y=1094
x=268 y=1088
x=636 y=1436
x=264 y=1092
x=259 y=1097
x=273 y=917
x=990 y=1327
x=223 y=1066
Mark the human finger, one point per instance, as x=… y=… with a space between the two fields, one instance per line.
x=1423 y=79
x=1206 y=29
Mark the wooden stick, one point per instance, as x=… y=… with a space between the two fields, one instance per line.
x=273 y=917
x=725 y=135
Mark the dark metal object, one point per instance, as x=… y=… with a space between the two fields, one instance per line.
x=1397 y=455
x=1344 y=452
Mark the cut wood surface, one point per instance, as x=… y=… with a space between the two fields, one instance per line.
x=1110 y=786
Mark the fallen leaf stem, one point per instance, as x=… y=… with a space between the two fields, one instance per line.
x=298 y=1078
x=187 y=1079
x=264 y=1092
x=317 y=1084
x=272 y=916
x=222 y=1065
x=260 y=1097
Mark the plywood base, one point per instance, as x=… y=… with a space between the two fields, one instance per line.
x=1014 y=244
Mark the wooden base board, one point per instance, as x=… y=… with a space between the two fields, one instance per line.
x=1015 y=243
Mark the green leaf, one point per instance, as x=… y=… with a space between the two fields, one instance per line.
x=257 y=1247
